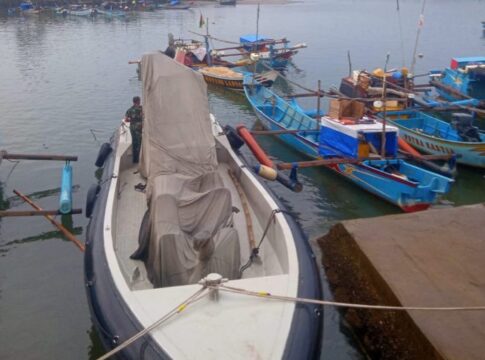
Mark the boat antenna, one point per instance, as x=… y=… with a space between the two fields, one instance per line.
x=384 y=101
x=255 y=46
x=350 y=62
x=257 y=24
x=319 y=89
x=418 y=33
x=206 y=37
x=400 y=33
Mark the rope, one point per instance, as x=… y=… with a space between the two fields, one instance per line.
x=214 y=38
x=288 y=80
x=176 y=310
x=255 y=249
x=267 y=295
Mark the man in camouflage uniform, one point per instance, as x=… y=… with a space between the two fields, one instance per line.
x=134 y=116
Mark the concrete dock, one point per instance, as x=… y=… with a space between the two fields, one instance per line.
x=434 y=258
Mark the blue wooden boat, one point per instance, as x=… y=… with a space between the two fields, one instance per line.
x=269 y=52
x=405 y=185
x=464 y=79
x=435 y=136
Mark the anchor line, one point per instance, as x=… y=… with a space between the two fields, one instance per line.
x=214 y=287
x=199 y=294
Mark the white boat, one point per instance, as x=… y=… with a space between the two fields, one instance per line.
x=81 y=11
x=196 y=217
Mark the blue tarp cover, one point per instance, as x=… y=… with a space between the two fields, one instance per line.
x=252 y=38
x=332 y=141
x=26 y=6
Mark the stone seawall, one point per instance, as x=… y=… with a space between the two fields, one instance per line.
x=432 y=258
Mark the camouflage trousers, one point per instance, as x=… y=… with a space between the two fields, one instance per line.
x=135 y=141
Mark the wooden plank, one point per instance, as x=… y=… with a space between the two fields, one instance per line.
x=303 y=95
x=279 y=132
x=11 y=156
x=320 y=162
x=14 y=213
x=326 y=162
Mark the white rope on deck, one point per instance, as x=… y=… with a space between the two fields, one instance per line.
x=199 y=294
x=177 y=310
x=267 y=295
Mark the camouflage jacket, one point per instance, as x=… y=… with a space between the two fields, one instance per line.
x=134 y=115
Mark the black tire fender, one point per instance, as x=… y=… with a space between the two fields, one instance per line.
x=91 y=199
x=233 y=137
x=103 y=153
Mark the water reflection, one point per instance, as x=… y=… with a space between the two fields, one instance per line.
x=48 y=235
x=16 y=200
x=95 y=347
x=30 y=36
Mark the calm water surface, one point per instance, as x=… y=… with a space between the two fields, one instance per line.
x=64 y=79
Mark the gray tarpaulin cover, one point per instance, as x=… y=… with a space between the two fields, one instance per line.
x=191 y=231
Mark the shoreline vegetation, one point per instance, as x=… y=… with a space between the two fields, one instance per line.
x=9 y=4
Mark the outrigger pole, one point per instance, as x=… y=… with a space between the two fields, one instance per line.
x=384 y=101
x=61 y=228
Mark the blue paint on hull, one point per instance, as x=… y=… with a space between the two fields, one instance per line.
x=396 y=181
x=434 y=136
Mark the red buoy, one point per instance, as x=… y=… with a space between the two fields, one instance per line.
x=403 y=145
x=254 y=146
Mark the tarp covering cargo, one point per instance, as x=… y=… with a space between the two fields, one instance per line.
x=190 y=231
x=177 y=135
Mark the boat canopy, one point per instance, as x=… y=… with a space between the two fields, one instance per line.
x=190 y=211
x=252 y=38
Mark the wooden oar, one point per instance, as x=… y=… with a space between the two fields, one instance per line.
x=245 y=205
x=319 y=162
x=325 y=162
x=66 y=232
x=11 y=213
x=10 y=156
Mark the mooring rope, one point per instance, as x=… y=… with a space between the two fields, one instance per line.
x=176 y=310
x=290 y=81
x=214 y=287
x=267 y=295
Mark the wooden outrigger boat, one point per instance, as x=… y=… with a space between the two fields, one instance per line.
x=274 y=53
x=232 y=78
x=464 y=80
x=214 y=70
x=347 y=145
x=202 y=212
x=434 y=136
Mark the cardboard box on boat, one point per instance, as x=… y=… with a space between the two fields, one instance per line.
x=349 y=109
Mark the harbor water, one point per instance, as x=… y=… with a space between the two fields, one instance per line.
x=65 y=84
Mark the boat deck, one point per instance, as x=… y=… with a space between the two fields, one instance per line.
x=131 y=206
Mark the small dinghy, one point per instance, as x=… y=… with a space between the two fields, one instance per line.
x=200 y=218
